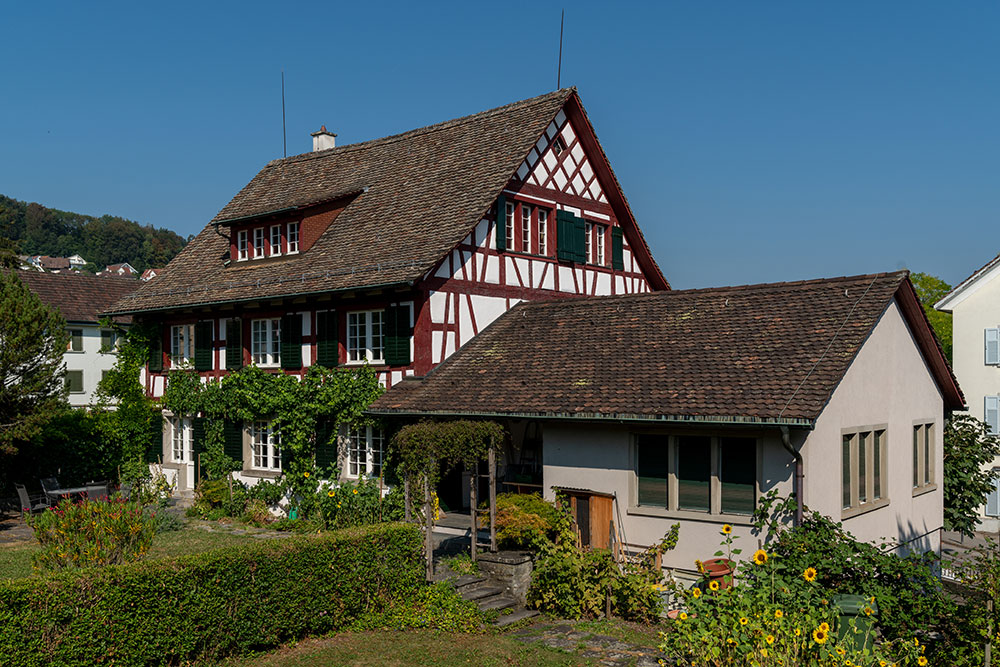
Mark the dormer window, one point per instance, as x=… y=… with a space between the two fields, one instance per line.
x=258 y=243
x=275 y=240
x=293 y=237
x=241 y=245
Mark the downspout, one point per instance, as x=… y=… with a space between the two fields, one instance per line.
x=800 y=475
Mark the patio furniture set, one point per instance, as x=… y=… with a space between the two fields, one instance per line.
x=52 y=493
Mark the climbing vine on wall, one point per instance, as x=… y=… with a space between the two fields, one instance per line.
x=432 y=448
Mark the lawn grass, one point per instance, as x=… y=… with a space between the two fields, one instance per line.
x=414 y=648
x=15 y=558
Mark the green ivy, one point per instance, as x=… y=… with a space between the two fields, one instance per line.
x=428 y=449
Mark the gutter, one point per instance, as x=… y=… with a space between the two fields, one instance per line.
x=800 y=475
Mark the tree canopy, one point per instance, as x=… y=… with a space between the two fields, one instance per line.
x=968 y=446
x=32 y=343
x=930 y=290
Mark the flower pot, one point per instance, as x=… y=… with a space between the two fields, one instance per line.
x=719 y=569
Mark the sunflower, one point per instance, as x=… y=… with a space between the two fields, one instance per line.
x=778 y=613
x=682 y=616
x=305 y=474
x=701 y=566
x=763 y=652
x=696 y=593
x=868 y=611
x=883 y=663
x=841 y=651
x=713 y=585
x=819 y=635
x=760 y=557
x=921 y=661
x=744 y=620
x=726 y=529
x=797 y=632
x=824 y=626
x=730 y=641
x=331 y=493
x=809 y=574
x=355 y=492
x=769 y=639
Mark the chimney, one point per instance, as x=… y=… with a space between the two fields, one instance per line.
x=323 y=139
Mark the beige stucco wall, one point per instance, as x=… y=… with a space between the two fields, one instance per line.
x=978 y=309
x=888 y=383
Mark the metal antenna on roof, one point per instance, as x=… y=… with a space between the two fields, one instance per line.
x=284 y=137
x=562 y=18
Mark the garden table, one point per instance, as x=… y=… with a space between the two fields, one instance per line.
x=71 y=491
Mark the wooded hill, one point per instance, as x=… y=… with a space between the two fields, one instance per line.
x=108 y=239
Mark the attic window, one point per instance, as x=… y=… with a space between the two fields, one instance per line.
x=558 y=145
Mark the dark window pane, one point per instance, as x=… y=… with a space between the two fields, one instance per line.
x=916 y=456
x=864 y=441
x=877 y=464
x=74 y=382
x=927 y=453
x=738 y=474
x=76 y=340
x=694 y=472
x=846 y=471
x=651 y=470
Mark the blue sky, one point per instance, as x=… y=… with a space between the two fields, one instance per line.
x=756 y=141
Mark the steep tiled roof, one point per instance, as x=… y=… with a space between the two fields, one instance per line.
x=79 y=297
x=421 y=193
x=757 y=353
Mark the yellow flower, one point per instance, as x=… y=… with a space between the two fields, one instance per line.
x=355 y=492
x=744 y=620
x=763 y=652
x=872 y=599
x=331 y=493
x=882 y=663
x=819 y=635
x=797 y=632
x=305 y=474
x=778 y=613
x=921 y=661
x=824 y=626
x=841 y=651
x=760 y=556
x=769 y=639
x=682 y=616
x=338 y=504
x=696 y=593
x=809 y=574
x=713 y=585
x=726 y=529
x=916 y=642
x=730 y=641
x=868 y=611
x=701 y=566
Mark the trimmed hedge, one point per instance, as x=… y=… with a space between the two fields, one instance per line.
x=207 y=606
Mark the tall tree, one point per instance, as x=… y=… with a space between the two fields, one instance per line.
x=932 y=289
x=32 y=343
x=968 y=447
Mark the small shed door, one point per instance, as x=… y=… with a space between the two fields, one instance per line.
x=593 y=514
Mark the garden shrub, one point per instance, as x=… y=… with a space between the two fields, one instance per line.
x=86 y=532
x=524 y=521
x=357 y=503
x=205 y=607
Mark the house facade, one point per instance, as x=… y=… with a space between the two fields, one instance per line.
x=392 y=253
x=80 y=298
x=975 y=307
x=686 y=406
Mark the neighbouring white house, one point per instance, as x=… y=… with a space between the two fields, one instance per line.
x=121 y=269
x=80 y=298
x=975 y=307
x=687 y=406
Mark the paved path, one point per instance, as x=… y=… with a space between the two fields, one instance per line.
x=601 y=649
x=14 y=530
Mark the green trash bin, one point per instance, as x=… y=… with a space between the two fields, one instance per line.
x=853 y=607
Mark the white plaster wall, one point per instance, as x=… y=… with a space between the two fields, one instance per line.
x=90 y=361
x=888 y=383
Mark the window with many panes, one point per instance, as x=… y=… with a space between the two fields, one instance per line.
x=696 y=473
x=265 y=342
x=509 y=225
x=241 y=245
x=366 y=450
x=543 y=231
x=266 y=446
x=588 y=233
x=181 y=344
x=599 y=244
x=923 y=456
x=364 y=336
x=525 y=228
x=863 y=466
x=293 y=237
x=258 y=243
x=75 y=342
x=991 y=414
x=275 y=248
x=181 y=440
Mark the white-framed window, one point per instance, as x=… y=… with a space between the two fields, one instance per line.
x=588 y=241
x=258 y=243
x=509 y=225
x=543 y=231
x=265 y=342
x=293 y=238
x=181 y=344
x=74 y=382
x=525 y=228
x=863 y=464
x=991 y=413
x=993 y=500
x=275 y=248
x=696 y=473
x=75 y=342
x=923 y=456
x=364 y=336
x=109 y=341
x=365 y=451
x=266 y=446
x=992 y=345
x=599 y=231
x=241 y=245
x=181 y=440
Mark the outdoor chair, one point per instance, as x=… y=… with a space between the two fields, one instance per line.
x=50 y=485
x=97 y=491
x=126 y=492
x=39 y=504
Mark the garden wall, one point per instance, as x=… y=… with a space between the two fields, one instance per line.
x=207 y=606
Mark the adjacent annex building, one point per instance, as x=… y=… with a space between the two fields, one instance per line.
x=687 y=406
x=393 y=252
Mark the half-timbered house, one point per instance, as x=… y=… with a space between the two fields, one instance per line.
x=393 y=252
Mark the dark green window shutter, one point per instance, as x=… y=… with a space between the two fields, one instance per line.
x=234 y=345
x=580 y=238
x=154 y=448
x=326 y=444
x=565 y=246
x=397 y=335
x=291 y=341
x=327 y=350
x=198 y=443
x=204 y=343
x=617 y=251
x=232 y=440
x=501 y=223
x=155 y=359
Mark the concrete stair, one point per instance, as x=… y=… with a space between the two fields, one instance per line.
x=489 y=596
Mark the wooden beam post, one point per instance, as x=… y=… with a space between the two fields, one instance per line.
x=428 y=528
x=492 y=458
x=473 y=483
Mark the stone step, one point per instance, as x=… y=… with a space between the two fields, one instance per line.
x=518 y=615
x=467 y=581
x=497 y=602
x=480 y=592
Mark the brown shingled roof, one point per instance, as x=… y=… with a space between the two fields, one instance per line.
x=79 y=297
x=421 y=194
x=769 y=353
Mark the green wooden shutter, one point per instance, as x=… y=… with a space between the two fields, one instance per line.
x=232 y=440
x=291 y=341
x=198 y=436
x=501 y=229
x=326 y=444
x=617 y=249
x=580 y=239
x=396 y=323
x=234 y=345
x=204 y=342
x=327 y=349
x=155 y=359
x=565 y=246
